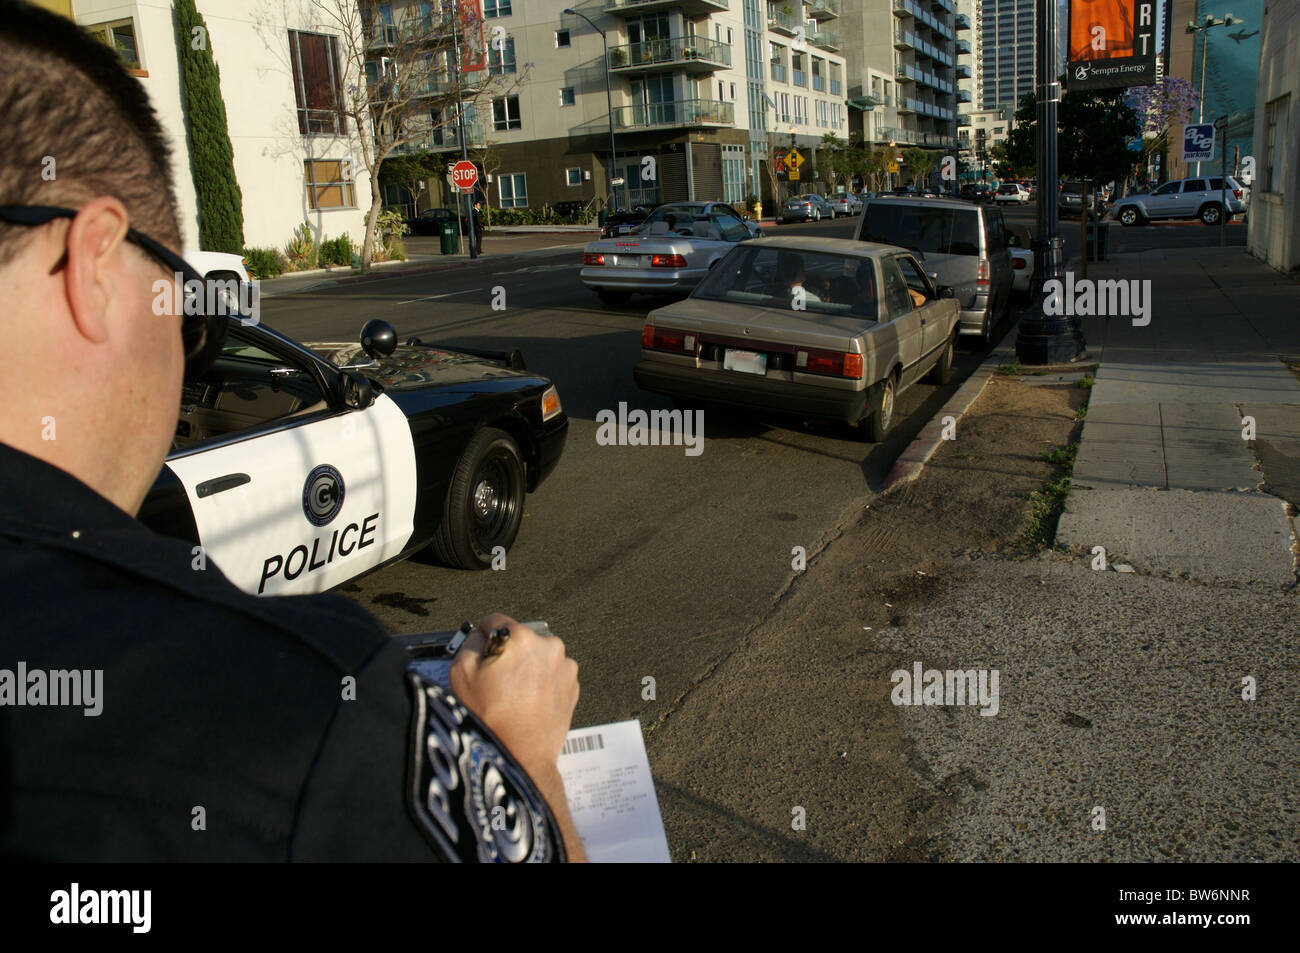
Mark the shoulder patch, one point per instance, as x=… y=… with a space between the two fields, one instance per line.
x=468 y=796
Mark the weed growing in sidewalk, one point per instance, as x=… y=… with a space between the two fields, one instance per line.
x=1047 y=504
x=1010 y=369
x=1086 y=381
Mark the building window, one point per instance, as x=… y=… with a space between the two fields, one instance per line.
x=567 y=96
x=326 y=185
x=796 y=67
x=1275 y=135
x=315 y=58
x=562 y=40
x=513 y=190
x=573 y=176
x=120 y=35
x=495 y=8
x=505 y=113
x=502 y=61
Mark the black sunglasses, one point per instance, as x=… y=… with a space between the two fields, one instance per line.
x=202 y=333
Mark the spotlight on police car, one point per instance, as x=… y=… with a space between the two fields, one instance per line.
x=378 y=339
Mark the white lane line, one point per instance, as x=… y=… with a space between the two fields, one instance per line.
x=449 y=294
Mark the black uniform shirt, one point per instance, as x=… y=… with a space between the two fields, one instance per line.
x=225 y=730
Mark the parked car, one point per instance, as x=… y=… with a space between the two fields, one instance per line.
x=1011 y=192
x=1195 y=198
x=845 y=203
x=625 y=222
x=430 y=221
x=813 y=327
x=1022 y=261
x=297 y=468
x=961 y=245
x=808 y=207
x=669 y=252
x=1070 y=202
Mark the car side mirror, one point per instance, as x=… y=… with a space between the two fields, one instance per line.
x=357 y=391
x=933 y=275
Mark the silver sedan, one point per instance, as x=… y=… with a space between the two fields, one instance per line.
x=668 y=253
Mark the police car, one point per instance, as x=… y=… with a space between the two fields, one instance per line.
x=295 y=469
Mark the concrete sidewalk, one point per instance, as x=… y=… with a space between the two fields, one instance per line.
x=1169 y=476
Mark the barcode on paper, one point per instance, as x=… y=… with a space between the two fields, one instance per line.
x=583 y=743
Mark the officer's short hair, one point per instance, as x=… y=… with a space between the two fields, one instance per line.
x=67 y=95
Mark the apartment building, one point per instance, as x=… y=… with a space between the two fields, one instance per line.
x=903 y=60
x=696 y=86
x=296 y=157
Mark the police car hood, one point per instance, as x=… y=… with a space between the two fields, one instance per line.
x=410 y=368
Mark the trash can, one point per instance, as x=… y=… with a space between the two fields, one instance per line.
x=450 y=240
x=1098 y=240
x=602 y=217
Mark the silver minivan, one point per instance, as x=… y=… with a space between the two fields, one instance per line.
x=961 y=245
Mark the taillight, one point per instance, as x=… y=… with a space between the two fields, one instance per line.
x=1018 y=264
x=835 y=363
x=984 y=274
x=593 y=259
x=666 y=339
x=1236 y=193
x=667 y=261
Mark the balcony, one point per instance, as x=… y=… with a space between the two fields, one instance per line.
x=903 y=39
x=963 y=95
x=675 y=114
x=835 y=87
x=819 y=84
x=902 y=8
x=963 y=119
x=634 y=8
x=825 y=39
x=696 y=54
x=784 y=23
x=778 y=73
x=824 y=9
x=963 y=72
x=906 y=105
x=902 y=74
x=963 y=48
x=962 y=22
x=800 y=78
x=444 y=139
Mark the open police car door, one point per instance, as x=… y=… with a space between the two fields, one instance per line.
x=289 y=490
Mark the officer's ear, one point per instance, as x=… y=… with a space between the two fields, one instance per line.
x=96 y=270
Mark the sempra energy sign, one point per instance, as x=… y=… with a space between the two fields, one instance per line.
x=1112 y=44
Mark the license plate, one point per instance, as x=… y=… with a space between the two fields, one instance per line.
x=747 y=362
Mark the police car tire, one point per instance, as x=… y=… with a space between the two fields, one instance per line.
x=459 y=541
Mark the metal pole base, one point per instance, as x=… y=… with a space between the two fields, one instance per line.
x=1045 y=338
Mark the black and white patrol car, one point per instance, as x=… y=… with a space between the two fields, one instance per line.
x=295 y=469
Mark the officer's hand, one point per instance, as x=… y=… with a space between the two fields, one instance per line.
x=526 y=694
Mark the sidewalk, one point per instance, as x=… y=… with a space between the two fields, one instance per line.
x=1164 y=478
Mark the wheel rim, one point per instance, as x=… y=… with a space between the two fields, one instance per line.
x=1128 y=216
x=493 y=501
x=947 y=362
x=887 y=406
x=1210 y=216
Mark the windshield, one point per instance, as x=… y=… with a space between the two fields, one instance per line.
x=693 y=222
x=927 y=228
x=832 y=285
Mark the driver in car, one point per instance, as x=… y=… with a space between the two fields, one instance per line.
x=149 y=709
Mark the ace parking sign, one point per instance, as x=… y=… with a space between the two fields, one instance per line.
x=1198 y=142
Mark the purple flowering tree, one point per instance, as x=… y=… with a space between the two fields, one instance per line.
x=1161 y=108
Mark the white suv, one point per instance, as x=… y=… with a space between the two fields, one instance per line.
x=1011 y=192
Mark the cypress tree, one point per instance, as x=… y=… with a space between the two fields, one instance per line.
x=212 y=158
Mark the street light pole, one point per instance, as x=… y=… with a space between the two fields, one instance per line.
x=609 y=102
x=1204 y=29
x=464 y=148
x=1043 y=338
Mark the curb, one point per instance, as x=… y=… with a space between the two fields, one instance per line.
x=913 y=459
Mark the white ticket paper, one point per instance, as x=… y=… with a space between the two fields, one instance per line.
x=611 y=794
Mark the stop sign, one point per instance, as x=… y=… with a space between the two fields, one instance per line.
x=464 y=175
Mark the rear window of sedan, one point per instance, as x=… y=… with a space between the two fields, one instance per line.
x=766 y=277
x=931 y=229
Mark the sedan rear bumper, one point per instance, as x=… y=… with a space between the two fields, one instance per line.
x=660 y=280
x=751 y=392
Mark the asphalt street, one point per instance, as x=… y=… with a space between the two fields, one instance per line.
x=649 y=562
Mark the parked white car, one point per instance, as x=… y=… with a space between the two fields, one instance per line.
x=1011 y=192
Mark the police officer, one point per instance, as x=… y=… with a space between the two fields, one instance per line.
x=149 y=710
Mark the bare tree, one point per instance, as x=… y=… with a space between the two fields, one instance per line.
x=405 y=78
